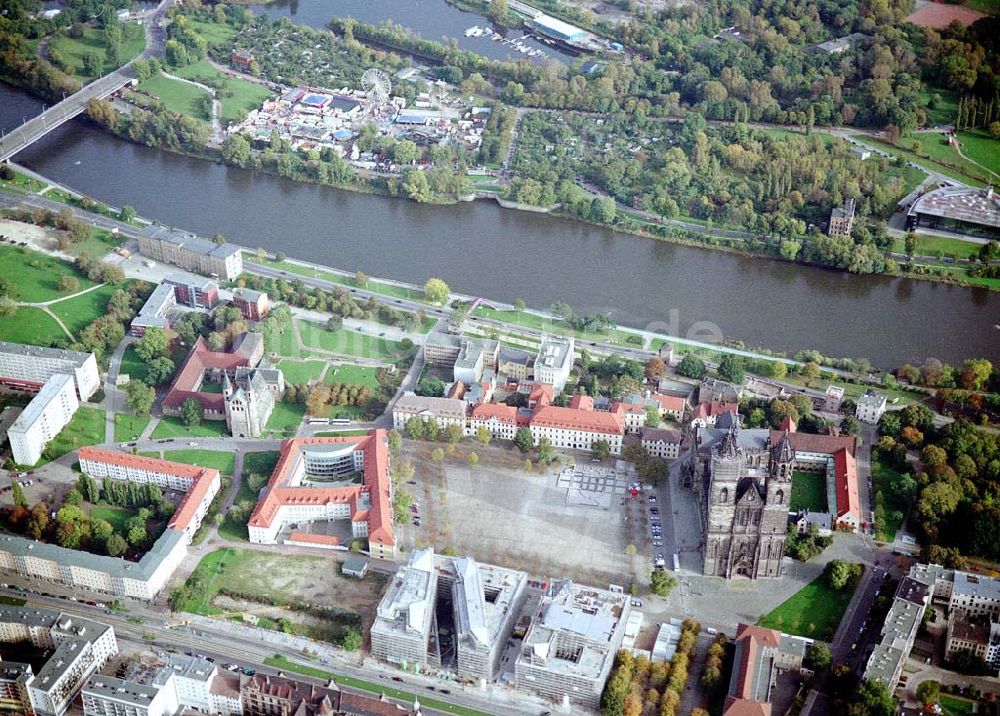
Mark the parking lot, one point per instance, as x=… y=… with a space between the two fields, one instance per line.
x=512 y=518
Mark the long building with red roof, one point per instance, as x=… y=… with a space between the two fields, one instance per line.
x=313 y=482
x=761 y=654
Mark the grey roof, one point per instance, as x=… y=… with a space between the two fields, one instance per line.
x=188 y=667
x=53 y=386
x=976 y=585
x=661 y=435
x=43 y=352
x=189 y=241
x=199 y=282
x=114 y=566
x=751 y=440
x=871 y=398
x=354 y=564
x=445 y=407
x=443 y=340
x=248 y=294
x=514 y=355
x=974 y=206
x=129 y=692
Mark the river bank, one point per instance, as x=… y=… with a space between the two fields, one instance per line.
x=480 y=249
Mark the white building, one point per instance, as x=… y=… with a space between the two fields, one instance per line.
x=554 y=362
x=79 y=648
x=30 y=367
x=871 y=407
x=182 y=683
x=662 y=443
x=404 y=620
x=46 y=415
x=443 y=411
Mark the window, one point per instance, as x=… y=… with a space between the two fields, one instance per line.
x=779 y=496
x=724 y=495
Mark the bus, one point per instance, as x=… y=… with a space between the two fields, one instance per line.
x=317 y=421
x=340 y=421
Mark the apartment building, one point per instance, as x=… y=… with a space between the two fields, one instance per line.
x=193 y=291
x=46 y=415
x=110 y=696
x=405 y=618
x=182 y=682
x=870 y=407
x=179 y=248
x=554 y=361
x=298 y=491
x=899 y=630
x=254 y=305
x=570 y=648
x=30 y=367
x=443 y=411
x=662 y=443
x=79 y=648
x=153 y=313
x=978 y=636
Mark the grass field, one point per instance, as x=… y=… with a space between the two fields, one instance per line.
x=956 y=706
x=31 y=325
x=224 y=462
x=963 y=275
x=285 y=417
x=808 y=492
x=213 y=32
x=21 y=184
x=133 y=366
x=882 y=478
x=98 y=244
x=378 y=287
x=86 y=428
x=945 y=111
x=261 y=463
x=280 y=662
x=37 y=275
x=530 y=320
x=170 y=427
x=346 y=342
x=813 y=611
x=904 y=153
x=297 y=371
x=115 y=516
x=980 y=147
x=933 y=245
x=352 y=375
x=73 y=49
x=237 y=96
x=78 y=312
x=129 y=427
x=180 y=97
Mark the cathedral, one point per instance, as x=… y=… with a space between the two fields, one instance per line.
x=744 y=506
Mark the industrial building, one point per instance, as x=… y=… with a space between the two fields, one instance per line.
x=180 y=248
x=44 y=417
x=963 y=210
x=29 y=367
x=569 y=649
x=478 y=605
x=79 y=648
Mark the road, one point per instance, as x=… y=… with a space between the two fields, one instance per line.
x=112 y=398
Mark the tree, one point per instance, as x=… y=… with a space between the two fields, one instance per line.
x=8 y=307
x=436 y=291
x=160 y=370
x=523 y=439
x=631 y=550
x=810 y=371
x=818 y=656
x=127 y=214
x=453 y=434
x=437 y=454
x=191 y=412
x=838 y=573
x=236 y=150
x=17 y=493
x=405 y=152
x=601 y=449
x=872 y=698
x=352 y=640
x=140 y=397
x=93 y=65
x=416 y=427
x=731 y=368
x=69 y=284
x=416 y=185
x=112 y=274
x=473 y=458
x=652 y=416
x=661 y=582
x=395 y=440
x=483 y=435
x=115 y=546
x=154 y=343
x=929 y=692
x=655 y=368
x=691 y=366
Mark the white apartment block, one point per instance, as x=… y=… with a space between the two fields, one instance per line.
x=46 y=415
x=81 y=647
x=405 y=619
x=870 y=407
x=554 y=362
x=183 y=683
x=30 y=367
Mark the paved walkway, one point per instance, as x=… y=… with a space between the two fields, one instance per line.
x=216 y=107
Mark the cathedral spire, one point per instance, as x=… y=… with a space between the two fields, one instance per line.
x=730 y=447
x=783 y=452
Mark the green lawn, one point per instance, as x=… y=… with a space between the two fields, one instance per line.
x=224 y=462
x=116 y=516
x=238 y=96
x=882 y=478
x=963 y=275
x=352 y=375
x=213 y=32
x=808 y=492
x=133 y=366
x=903 y=152
x=374 y=286
x=170 y=427
x=530 y=320
x=980 y=147
x=956 y=706
x=261 y=463
x=945 y=111
x=285 y=417
x=33 y=326
x=281 y=662
x=180 y=97
x=78 y=312
x=813 y=611
x=933 y=245
x=284 y=345
x=936 y=146
x=297 y=371
x=98 y=244
x=73 y=49
x=346 y=342
x=129 y=427
x=37 y=275
x=21 y=184
x=86 y=428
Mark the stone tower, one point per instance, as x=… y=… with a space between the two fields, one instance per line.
x=726 y=469
x=774 y=522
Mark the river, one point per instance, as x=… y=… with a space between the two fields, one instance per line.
x=430 y=19
x=481 y=249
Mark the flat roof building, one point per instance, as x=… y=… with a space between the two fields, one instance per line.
x=554 y=361
x=46 y=415
x=29 y=367
x=153 y=313
x=961 y=209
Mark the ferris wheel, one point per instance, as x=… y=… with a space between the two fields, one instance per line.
x=376 y=85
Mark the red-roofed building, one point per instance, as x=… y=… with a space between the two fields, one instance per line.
x=761 y=654
x=500 y=419
x=633 y=416
x=672 y=406
x=200 y=484
x=298 y=493
x=577 y=429
x=581 y=402
x=846 y=481
x=204 y=364
x=539 y=394
x=706 y=415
